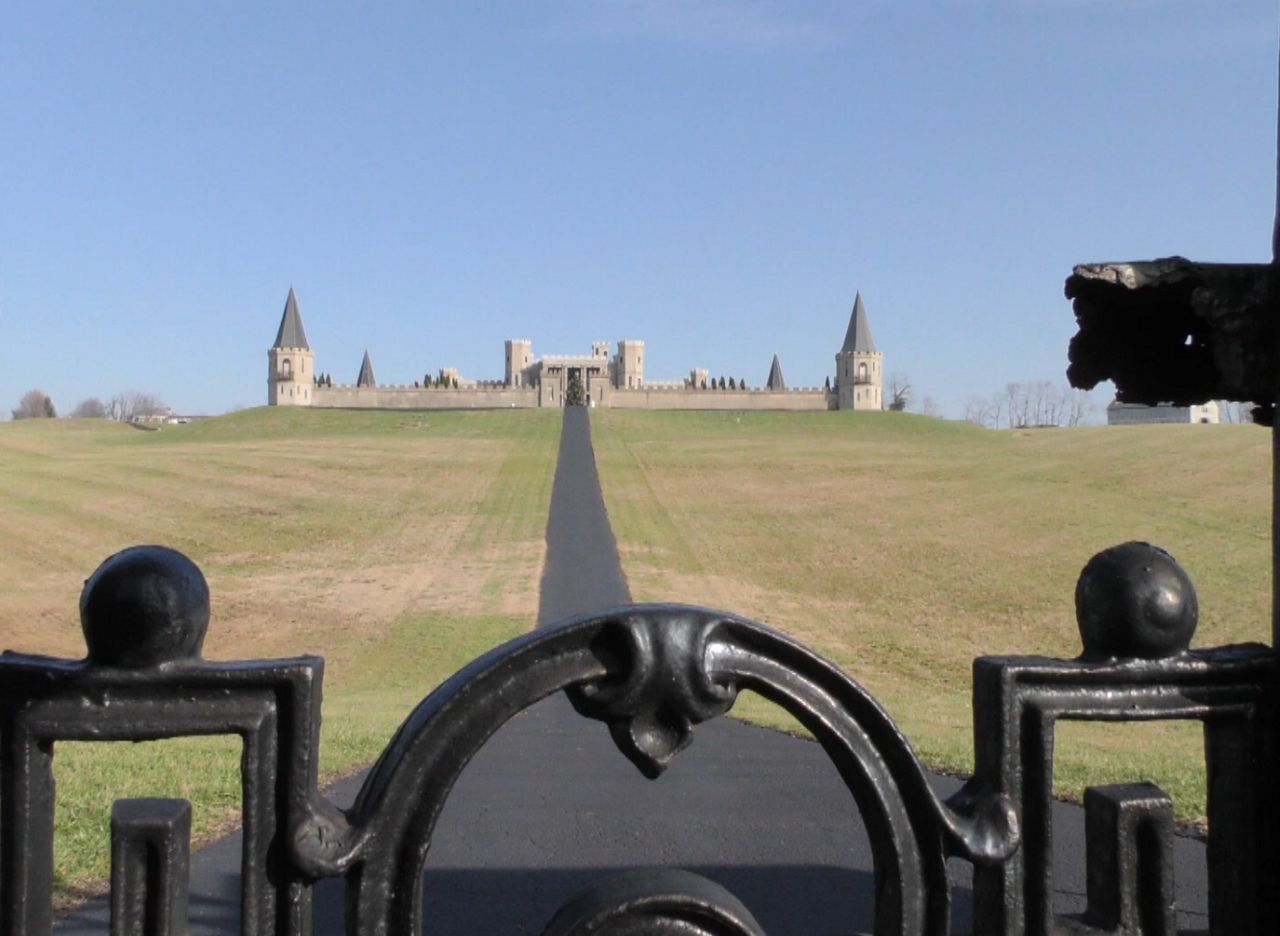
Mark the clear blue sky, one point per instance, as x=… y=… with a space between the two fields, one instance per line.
x=717 y=177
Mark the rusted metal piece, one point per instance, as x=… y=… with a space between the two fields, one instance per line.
x=1173 y=331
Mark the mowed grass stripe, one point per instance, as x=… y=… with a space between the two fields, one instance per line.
x=903 y=547
x=397 y=546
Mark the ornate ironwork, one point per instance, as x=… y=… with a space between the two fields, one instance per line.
x=651 y=673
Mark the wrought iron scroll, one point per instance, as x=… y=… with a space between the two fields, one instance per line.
x=651 y=674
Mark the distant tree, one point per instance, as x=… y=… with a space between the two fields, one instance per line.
x=704 y=383
x=982 y=411
x=826 y=383
x=35 y=404
x=573 y=394
x=455 y=383
x=733 y=384
x=415 y=385
x=131 y=405
x=722 y=381
x=92 y=408
x=899 y=392
x=928 y=407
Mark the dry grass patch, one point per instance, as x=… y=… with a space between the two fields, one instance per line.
x=333 y=533
x=902 y=547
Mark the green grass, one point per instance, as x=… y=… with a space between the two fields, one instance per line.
x=396 y=545
x=401 y=545
x=902 y=547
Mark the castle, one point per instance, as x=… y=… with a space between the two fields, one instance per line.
x=596 y=379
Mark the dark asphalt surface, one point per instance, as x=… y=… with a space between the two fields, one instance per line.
x=549 y=805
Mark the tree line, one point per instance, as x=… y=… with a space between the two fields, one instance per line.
x=1034 y=403
x=127 y=406
x=1021 y=405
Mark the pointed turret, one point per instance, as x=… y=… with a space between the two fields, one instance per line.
x=859 y=364
x=858 y=337
x=291 y=373
x=775 y=381
x=366 y=372
x=291 y=334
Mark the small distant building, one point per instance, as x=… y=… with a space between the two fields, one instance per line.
x=1132 y=414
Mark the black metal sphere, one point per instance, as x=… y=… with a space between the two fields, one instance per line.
x=144 y=606
x=1135 y=601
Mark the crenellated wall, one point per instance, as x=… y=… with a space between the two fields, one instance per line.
x=658 y=398
x=419 y=398
x=686 y=399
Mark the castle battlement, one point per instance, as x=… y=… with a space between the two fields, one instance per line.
x=595 y=379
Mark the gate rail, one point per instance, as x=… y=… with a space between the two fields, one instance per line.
x=650 y=673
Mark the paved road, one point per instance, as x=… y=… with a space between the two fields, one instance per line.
x=549 y=805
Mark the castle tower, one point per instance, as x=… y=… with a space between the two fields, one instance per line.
x=629 y=364
x=775 y=380
x=859 y=366
x=290 y=364
x=519 y=357
x=365 y=379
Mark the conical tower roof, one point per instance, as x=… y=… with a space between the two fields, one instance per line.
x=366 y=372
x=291 y=334
x=858 y=337
x=775 y=381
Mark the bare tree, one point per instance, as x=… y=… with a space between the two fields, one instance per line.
x=35 y=404
x=1079 y=406
x=1016 y=405
x=131 y=405
x=983 y=411
x=929 y=407
x=92 y=408
x=899 y=392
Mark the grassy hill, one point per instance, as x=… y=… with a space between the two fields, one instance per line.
x=903 y=547
x=401 y=545
x=397 y=546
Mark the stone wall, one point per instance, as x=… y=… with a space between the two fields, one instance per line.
x=418 y=398
x=657 y=398
x=683 y=399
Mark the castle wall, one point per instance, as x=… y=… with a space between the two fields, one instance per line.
x=419 y=398
x=684 y=399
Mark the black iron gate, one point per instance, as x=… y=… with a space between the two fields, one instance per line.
x=650 y=673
